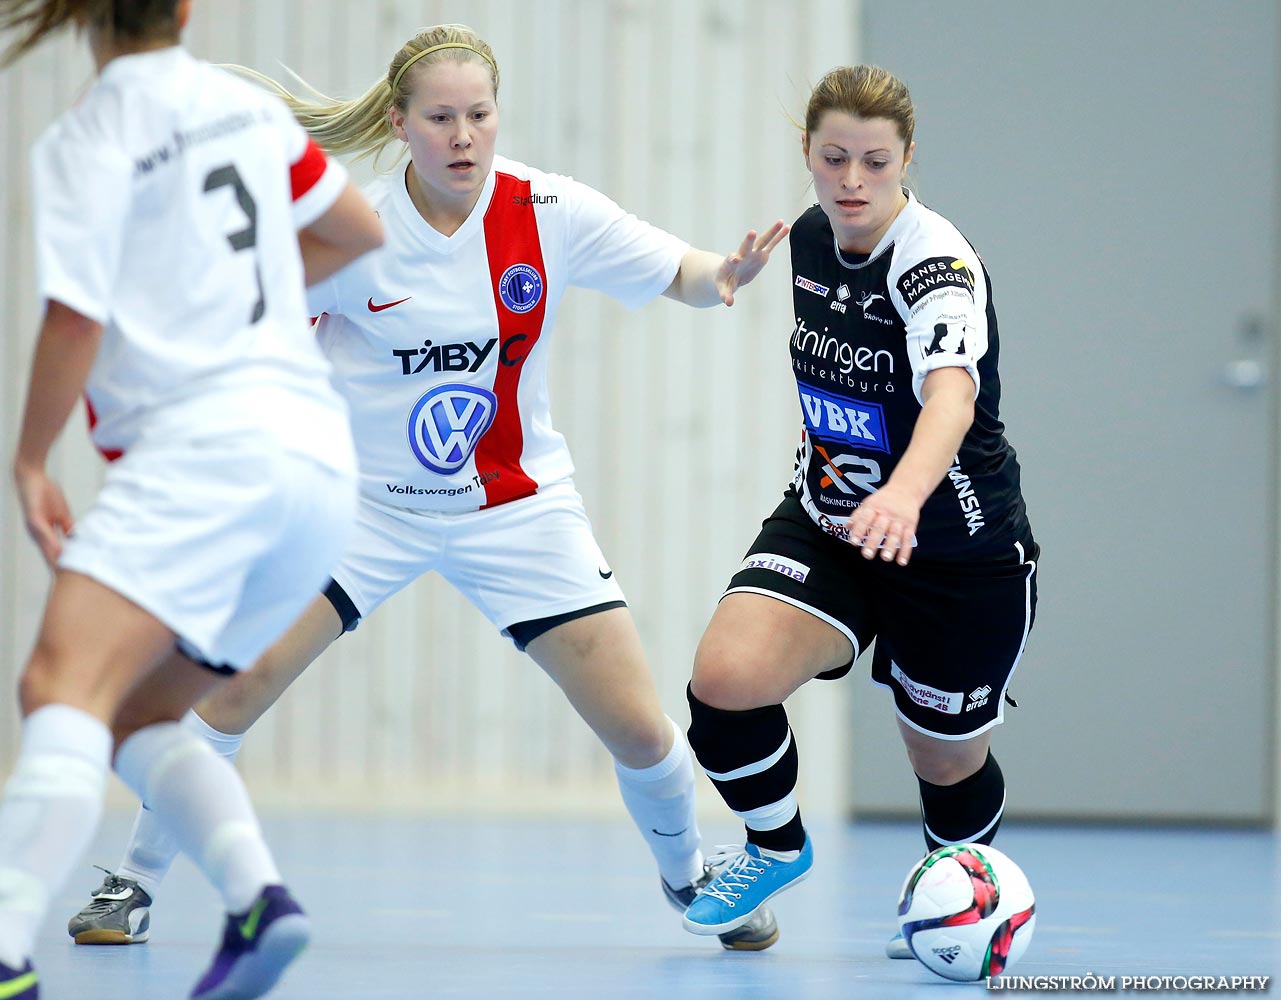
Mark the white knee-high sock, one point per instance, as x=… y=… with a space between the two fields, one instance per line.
x=151 y=849
x=661 y=801
x=202 y=802
x=48 y=815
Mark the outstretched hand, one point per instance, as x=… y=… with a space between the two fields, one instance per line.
x=746 y=262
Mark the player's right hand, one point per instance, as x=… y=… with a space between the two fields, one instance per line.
x=44 y=510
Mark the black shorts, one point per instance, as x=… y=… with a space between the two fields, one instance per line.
x=948 y=634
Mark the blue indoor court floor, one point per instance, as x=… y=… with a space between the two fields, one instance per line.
x=441 y=906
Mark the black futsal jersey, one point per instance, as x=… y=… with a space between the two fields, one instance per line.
x=868 y=331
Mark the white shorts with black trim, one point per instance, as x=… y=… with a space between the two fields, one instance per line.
x=529 y=559
x=225 y=540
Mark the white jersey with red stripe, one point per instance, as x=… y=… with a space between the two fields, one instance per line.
x=167 y=206
x=440 y=343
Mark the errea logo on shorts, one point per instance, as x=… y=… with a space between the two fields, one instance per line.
x=947 y=702
x=978 y=697
x=790 y=568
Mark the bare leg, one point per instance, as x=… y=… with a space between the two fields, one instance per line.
x=755 y=653
x=92 y=647
x=599 y=664
x=220 y=720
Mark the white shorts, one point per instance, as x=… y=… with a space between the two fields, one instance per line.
x=225 y=541
x=520 y=561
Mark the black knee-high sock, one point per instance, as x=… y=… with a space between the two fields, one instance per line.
x=751 y=758
x=968 y=812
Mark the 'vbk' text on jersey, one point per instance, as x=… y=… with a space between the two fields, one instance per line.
x=919 y=301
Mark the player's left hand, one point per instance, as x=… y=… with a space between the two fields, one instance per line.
x=746 y=262
x=45 y=511
x=886 y=522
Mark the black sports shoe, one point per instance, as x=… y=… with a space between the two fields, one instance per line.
x=119 y=913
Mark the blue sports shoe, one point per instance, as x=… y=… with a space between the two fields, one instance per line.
x=738 y=890
x=756 y=935
x=257 y=946
x=18 y=984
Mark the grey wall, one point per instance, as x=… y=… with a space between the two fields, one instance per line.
x=1116 y=164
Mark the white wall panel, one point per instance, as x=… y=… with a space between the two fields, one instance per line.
x=682 y=422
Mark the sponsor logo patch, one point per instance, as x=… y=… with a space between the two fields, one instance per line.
x=979 y=697
x=812 y=286
x=520 y=288
x=778 y=564
x=446 y=424
x=839 y=351
x=839 y=418
x=949 y=338
x=933 y=274
x=947 y=702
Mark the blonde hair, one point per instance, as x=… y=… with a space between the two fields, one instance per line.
x=360 y=126
x=131 y=19
x=865 y=92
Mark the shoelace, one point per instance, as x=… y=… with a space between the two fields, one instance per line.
x=740 y=870
x=113 y=883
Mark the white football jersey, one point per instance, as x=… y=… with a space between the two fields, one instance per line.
x=440 y=343
x=167 y=205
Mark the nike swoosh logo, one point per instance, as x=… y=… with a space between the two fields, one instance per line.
x=122 y=894
x=377 y=309
x=249 y=926
x=606 y=576
x=662 y=834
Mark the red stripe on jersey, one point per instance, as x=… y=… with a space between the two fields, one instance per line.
x=110 y=454
x=511 y=238
x=311 y=166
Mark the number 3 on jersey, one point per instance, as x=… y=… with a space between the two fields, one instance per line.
x=241 y=239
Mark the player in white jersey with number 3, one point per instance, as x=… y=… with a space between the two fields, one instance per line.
x=171 y=205
x=440 y=344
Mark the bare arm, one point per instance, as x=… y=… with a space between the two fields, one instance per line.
x=887 y=519
x=65 y=350
x=349 y=229
x=707 y=279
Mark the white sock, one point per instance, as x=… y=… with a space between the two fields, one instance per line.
x=661 y=801
x=151 y=849
x=48 y=816
x=202 y=802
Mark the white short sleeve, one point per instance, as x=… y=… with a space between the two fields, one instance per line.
x=315 y=179
x=616 y=253
x=82 y=198
x=939 y=300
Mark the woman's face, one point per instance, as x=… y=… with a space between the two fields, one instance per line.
x=858 y=166
x=451 y=126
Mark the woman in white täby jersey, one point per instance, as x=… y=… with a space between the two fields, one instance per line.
x=440 y=344
x=170 y=206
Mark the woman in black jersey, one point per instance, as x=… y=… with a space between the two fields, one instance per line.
x=904 y=521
